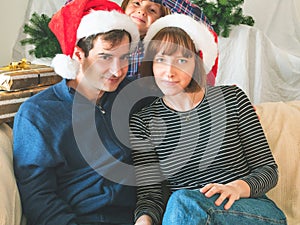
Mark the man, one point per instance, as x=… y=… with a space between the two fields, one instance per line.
x=70 y=166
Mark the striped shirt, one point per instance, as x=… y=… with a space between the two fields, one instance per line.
x=219 y=141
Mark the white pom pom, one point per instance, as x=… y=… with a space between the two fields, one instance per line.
x=65 y=66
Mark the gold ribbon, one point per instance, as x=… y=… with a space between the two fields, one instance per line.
x=22 y=64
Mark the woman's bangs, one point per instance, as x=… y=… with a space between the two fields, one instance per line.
x=170 y=40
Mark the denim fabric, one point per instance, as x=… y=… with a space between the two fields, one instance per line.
x=191 y=207
x=105 y=224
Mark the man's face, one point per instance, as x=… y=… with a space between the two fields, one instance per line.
x=107 y=65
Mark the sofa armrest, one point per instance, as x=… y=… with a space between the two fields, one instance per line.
x=10 y=204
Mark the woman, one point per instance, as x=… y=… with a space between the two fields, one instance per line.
x=206 y=142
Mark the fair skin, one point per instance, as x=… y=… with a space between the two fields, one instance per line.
x=143 y=13
x=172 y=75
x=103 y=70
x=231 y=191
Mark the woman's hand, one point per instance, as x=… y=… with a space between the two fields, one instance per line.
x=232 y=191
x=144 y=220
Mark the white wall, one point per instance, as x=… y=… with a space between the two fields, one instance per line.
x=13 y=13
x=11 y=19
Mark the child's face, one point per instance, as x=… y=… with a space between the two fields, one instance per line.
x=143 y=13
x=173 y=73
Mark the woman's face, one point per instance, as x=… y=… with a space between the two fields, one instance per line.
x=143 y=13
x=173 y=73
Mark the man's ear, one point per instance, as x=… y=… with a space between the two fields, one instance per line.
x=78 y=53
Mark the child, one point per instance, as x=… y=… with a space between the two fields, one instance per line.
x=206 y=142
x=143 y=13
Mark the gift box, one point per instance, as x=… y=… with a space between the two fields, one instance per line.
x=23 y=75
x=10 y=101
x=18 y=82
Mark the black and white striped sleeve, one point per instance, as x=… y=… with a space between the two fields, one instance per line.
x=264 y=173
x=148 y=175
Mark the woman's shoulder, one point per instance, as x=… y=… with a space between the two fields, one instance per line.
x=225 y=91
x=227 y=88
x=153 y=107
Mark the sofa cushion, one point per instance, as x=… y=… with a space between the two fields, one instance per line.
x=280 y=122
x=10 y=205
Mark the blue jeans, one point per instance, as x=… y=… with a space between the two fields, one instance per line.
x=191 y=207
x=104 y=224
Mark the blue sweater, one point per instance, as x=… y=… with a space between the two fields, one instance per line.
x=70 y=166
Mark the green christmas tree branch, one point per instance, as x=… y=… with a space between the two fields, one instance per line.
x=45 y=42
x=223 y=14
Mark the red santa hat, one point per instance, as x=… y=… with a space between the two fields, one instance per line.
x=82 y=18
x=204 y=38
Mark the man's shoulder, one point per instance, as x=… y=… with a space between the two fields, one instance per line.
x=41 y=97
x=44 y=100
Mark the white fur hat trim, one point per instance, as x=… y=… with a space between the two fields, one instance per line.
x=202 y=36
x=103 y=21
x=95 y=22
x=65 y=66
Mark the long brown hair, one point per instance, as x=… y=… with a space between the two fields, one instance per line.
x=170 y=40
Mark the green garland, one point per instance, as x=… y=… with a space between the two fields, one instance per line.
x=223 y=14
x=45 y=42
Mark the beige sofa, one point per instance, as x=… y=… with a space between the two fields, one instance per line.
x=10 y=208
x=280 y=122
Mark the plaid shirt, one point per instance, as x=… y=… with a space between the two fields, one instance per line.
x=136 y=58
x=185 y=7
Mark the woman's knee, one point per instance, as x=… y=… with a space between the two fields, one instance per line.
x=183 y=206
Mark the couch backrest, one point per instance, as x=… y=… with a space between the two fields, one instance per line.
x=281 y=124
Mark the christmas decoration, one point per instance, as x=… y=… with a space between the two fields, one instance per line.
x=223 y=14
x=23 y=75
x=45 y=42
x=18 y=82
x=20 y=65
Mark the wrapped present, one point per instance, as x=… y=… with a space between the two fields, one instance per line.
x=23 y=75
x=10 y=101
x=18 y=82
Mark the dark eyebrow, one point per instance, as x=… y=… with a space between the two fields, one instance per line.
x=127 y=54
x=111 y=55
x=104 y=54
